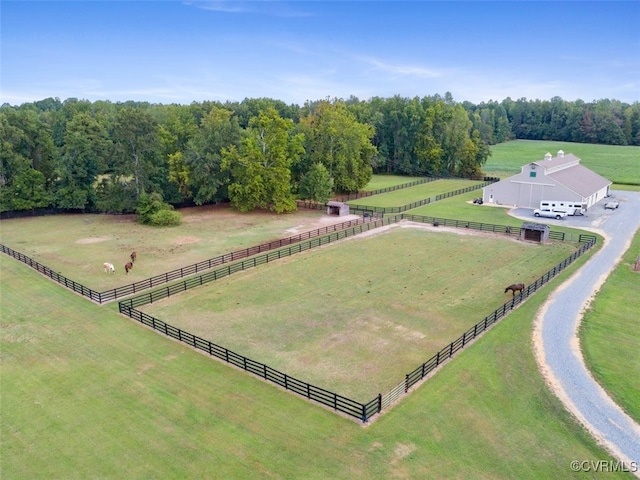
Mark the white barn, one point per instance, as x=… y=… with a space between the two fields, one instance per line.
x=559 y=178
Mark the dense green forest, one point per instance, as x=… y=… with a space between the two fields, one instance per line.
x=77 y=155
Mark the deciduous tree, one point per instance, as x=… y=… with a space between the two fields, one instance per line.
x=261 y=167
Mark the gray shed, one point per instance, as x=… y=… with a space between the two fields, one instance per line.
x=337 y=208
x=534 y=232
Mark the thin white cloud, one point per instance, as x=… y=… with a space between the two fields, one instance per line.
x=261 y=7
x=401 y=70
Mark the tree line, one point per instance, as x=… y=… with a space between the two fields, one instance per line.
x=262 y=153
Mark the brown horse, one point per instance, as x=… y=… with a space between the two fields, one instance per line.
x=516 y=287
x=133 y=257
x=128 y=266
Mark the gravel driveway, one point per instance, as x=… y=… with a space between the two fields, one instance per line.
x=555 y=335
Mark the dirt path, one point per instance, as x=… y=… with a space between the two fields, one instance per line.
x=557 y=348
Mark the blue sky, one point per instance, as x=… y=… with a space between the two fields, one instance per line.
x=181 y=52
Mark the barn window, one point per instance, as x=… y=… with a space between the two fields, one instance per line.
x=532 y=174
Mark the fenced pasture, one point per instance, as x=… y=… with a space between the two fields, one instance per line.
x=355 y=317
x=401 y=197
x=461 y=207
x=87 y=394
x=76 y=246
x=381 y=181
x=617 y=163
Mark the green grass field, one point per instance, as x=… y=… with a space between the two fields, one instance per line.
x=378 y=182
x=405 y=196
x=618 y=164
x=461 y=207
x=355 y=317
x=87 y=393
x=82 y=243
x=609 y=334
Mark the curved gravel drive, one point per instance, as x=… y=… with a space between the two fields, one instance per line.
x=556 y=341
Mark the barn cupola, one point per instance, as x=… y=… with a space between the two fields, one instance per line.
x=560 y=153
x=547 y=156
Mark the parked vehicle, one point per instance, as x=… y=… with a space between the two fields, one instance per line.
x=571 y=208
x=612 y=205
x=549 y=213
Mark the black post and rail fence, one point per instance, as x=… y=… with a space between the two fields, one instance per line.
x=380 y=211
x=163 y=278
x=361 y=411
x=369 y=214
x=352 y=408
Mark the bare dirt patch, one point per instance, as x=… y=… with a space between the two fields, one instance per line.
x=321 y=223
x=89 y=240
x=183 y=240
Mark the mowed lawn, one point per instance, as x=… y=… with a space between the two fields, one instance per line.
x=620 y=164
x=76 y=246
x=405 y=196
x=87 y=393
x=461 y=207
x=354 y=317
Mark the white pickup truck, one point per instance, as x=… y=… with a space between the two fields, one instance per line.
x=549 y=213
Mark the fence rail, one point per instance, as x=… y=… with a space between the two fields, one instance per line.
x=163 y=278
x=362 y=411
x=587 y=241
x=330 y=399
x=210 y=276
x=419 y=203
x=43 y=269
x=210 y=263
x=352 y=408
x=355 y=196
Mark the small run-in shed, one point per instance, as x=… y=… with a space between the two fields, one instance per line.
x=337 y=208
x=534 y=232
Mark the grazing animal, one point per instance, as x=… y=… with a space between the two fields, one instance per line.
x=128 y=266
x=133 y=257
x=516 y=287
x=108 y=267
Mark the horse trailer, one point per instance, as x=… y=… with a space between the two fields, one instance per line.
x=570 y=208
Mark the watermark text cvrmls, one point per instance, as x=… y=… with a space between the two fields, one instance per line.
x=600 y=466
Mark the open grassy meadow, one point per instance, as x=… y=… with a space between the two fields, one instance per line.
x=609 y=334
x=87 y=393
x=355 y=316
x=619 y=164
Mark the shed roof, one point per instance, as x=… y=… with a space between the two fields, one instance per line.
x=535 y=226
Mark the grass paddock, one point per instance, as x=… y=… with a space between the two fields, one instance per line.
x=76 y=246
x=87 y=393
x=355 y=316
